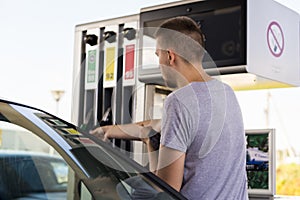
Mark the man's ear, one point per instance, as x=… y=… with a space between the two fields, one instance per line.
x=171 y=57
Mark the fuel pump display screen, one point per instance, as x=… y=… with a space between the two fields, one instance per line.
x=222 y=22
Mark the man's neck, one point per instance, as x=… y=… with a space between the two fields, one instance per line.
x=196 y=74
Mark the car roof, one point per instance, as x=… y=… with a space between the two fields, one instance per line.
x=21 y=153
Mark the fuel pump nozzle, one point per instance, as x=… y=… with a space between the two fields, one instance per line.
x=106 y=118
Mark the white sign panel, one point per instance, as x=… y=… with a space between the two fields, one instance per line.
x=273 y=41
x=130 y=54
x=92 y=64
x=110 y=57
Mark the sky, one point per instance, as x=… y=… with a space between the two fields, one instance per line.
x=37 y=45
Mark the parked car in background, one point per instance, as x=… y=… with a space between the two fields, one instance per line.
x=96 y=169
x=32 y=175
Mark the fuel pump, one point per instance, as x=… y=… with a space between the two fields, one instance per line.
x=105 y=77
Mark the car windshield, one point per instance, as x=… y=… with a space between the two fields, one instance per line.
x=116 y=179
x=100 y=170
x=113 y=174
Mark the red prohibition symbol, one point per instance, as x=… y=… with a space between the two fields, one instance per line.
x=275 y=39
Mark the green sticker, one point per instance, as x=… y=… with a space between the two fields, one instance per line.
x=91 y=69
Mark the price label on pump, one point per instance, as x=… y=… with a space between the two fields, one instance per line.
x=91 y=71
x=110 y=64
x=110 y=67
x=129 y=61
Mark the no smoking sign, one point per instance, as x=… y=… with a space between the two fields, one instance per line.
x=275 y=39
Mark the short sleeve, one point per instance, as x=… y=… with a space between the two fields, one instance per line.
x=176 y=125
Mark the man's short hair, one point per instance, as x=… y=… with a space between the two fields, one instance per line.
x=184 y=36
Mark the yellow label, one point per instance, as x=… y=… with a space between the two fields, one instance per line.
x=72 y=131
x=110 y=63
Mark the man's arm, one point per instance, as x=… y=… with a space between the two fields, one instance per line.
x=135 y=131
x=168 y=164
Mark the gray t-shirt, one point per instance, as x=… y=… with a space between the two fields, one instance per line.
x=203 y=119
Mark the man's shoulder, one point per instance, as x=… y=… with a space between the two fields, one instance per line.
x=184 y=96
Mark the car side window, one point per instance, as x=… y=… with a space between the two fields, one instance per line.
x=29 y=167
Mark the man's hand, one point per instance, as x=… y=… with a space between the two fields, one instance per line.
x=125 y=131
x=102 y=132
x=136 y=131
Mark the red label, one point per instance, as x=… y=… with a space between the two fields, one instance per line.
x=129 y=62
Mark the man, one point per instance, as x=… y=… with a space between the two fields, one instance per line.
x=202 y=151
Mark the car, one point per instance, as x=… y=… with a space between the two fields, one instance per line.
x=32 y=175
x=95 y=169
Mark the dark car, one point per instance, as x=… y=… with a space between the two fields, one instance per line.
x=26 y=175
x=96 y=169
